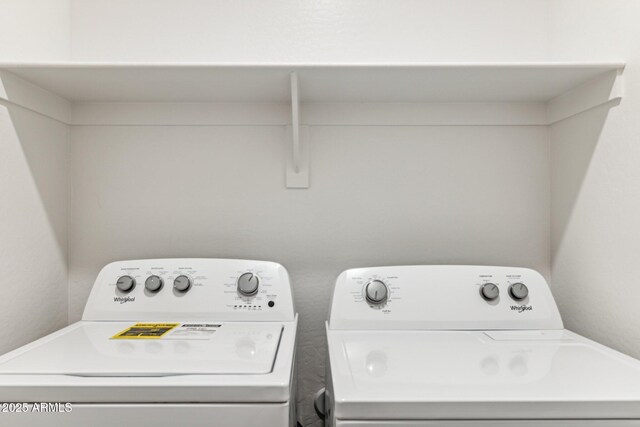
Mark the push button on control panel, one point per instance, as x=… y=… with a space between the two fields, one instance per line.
x=126 y=283
x=490 y=291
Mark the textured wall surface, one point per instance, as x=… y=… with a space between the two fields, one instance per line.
x=596 y=182
x=36 y=30
x=310 y=30
x=379 y=196
x=33 y=226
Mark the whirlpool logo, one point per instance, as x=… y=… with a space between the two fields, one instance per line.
x=521 y=308
x=122 y=300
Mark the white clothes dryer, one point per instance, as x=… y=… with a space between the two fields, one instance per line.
x=466 y=346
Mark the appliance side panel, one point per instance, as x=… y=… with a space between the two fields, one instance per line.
x=159 y=415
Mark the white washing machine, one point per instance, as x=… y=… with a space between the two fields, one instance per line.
x=463 y=346
x=164 y=342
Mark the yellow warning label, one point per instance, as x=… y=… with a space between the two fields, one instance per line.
x=145 y=331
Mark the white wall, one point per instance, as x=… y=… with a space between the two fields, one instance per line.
x=33 y=182
x=37 y=30
x=310 y=30
x=379 y=196
x=33 y=226
x=596 y=182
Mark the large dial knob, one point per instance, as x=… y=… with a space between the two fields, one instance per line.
x=126 y=283
x=248 y=284
x=518 y=291
x=153 y=283
x=182 y=283
x=489 y=291
x=376 y=292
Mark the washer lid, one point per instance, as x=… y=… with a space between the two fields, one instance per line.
x=477 y=375
x=152 y=349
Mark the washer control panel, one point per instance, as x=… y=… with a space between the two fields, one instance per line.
x=186 y=289
x=443 y=297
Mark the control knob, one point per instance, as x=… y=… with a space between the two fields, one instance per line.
x=489 y=291
x=182 y=283
x=376 y=292
x=247 y=284
x=126 y=283
x=153 y=283
x=518 y=291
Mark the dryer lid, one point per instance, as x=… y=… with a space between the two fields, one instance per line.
x=155 y=349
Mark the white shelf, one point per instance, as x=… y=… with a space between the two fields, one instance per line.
x=197 y=82
x=299 y=95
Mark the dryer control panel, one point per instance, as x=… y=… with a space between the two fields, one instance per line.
x=446 y=297
x=191 y=289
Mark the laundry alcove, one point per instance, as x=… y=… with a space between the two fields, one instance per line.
x=422 y=163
